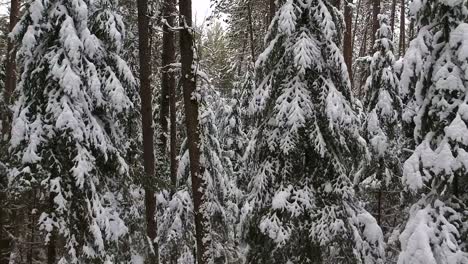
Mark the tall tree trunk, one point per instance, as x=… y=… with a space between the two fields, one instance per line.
x=392 y=18
x=51 y=246
x=147 y=128
x=375 y=19
x=356 y=20
x=173 y=131
x=5 y=241
x=272 y=11
x=168 y=84
x=10 y=67
x=402 y=29
x=173 y=139
x=348 y=38
x=251 y=31
x=10 y=86
x=193 y=131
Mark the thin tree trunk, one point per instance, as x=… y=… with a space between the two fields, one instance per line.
x=173 y=131
x=147 y=128
x=168 y=83
x=392 y=18
x=51 y=246
x=192 y=124
x=348 y=39
x=251 y=31
x=402 y=29
x=10 y=67
x=5 y=241
x=375 y=18
x=379 y=207
x=10 y=86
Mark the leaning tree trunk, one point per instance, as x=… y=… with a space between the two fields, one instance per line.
x=147 y=128
x=193 y=130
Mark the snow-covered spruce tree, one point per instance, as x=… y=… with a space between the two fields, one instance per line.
x=177 y=228
x=68 y=137
x=307 y=147
x=382 y=127
x=435 y=83
x=232 y=136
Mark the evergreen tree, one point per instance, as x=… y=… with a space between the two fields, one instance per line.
x=434 y=82
x=307 y=147
x=382 y=127
x=69 y=139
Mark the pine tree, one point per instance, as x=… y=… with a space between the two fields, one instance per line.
x=382 y=127
x=434 y=83
x=69 y=138
x=307 y=147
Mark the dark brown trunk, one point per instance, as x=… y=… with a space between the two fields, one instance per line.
x=402 y=29
x=375 y=19
x=272 y=11
x=51 y=246
x=169 y=85
x=356 y=20
x=392 y=14
x=10 y=86
x=168 y=82
x=336 y=3
x=379 y=207
x=147 y=128
x=363 y=52
x=348 y=39
x=10 y=67
x=173 y=131
x=251 y=32
x=411 y=29
x=192 y=124
x=5 y=241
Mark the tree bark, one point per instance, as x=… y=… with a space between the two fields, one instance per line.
x=51 y=246
x=173 y=135
x=168 y=85
x=348 y=39
x=5 y=241
x=356 y=21
x=147 y=128
x=402 y=45
x=10 y=86
x=272 y=11
x=375 y=19
x=392 y=18
x=251 y=31
x=192 y=125
x=10 y=67
x=336 y=3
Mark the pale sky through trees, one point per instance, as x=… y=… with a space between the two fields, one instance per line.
x=201 y=10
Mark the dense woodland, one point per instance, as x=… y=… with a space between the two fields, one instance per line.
x=272 y=132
